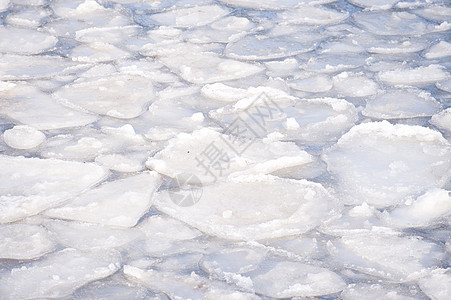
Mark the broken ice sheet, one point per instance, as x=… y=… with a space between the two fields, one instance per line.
x=31 y=185
x=191 y=16
x=415 y=76
x=119 y=203
x=381 y=163
x=94 y=235
x=58 y=274
x=25 y=41
x=290 y=279
x=23 y=241
x=401 y=103
x=245 y=208
x=184 y=286
x=384 y=253
x=119 y=96
x=272 y=113
x=23 y=102
x=260 y=47
x=426 y=210
x=437 y=285
x=188 y=154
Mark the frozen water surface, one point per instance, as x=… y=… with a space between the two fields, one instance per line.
x=225 y=149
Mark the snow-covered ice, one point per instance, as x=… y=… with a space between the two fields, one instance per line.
x=229 y=149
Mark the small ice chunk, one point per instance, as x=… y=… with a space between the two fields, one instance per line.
x=413 y=76
x=439 y=50
x=23 y=241
x=255 y=214
x=290 y=279
x=387 y=254
x=437 y=285
x=58 y=274
x=119 y=96
x=400 y=104
x=191 y=16
x=381 y=163
x=117 y=203
x=354 y=85
x=442 y=120
x=25 y=41
x=31 y=185
x=424 y=211
x=94 y=235
x=23 y=137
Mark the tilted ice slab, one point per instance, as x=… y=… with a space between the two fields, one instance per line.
x=387 y=254
x=444 y=85
x=253 y=207
x=23 y=137
x=308 y=120
x=394 y=23
x=98 y=52
x=437 y=285
x=330 y=63
x=367 y=291
x=374 y=4
x=270 y=4
x=23 y=67
x=414 y=76
x=116 y=203
x=207 y=67
x=439 y=50
x=23 y=241
x=426 y=210
x=312 y=15
x=184 y=286
x=24 y=103
x=164 y=235
x=32 y=185
x=58 y=274
x=111 y=35
x=191 y=154
x=260 y=47
x=191 y=16
x=94 y=235
x=29 y=18
x=401 y=103
x=442 y=120
x=119 y=96
x=380 y=163
x=290 y=279
x=25 y=41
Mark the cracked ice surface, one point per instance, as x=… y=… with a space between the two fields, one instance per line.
x=230 y=149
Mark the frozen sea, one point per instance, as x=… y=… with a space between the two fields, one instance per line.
x=229 y=149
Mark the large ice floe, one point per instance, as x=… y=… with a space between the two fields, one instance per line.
x=225 y=150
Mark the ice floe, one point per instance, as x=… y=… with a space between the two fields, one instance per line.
x=32 y=185
x=23 y=137
x=372 y=160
